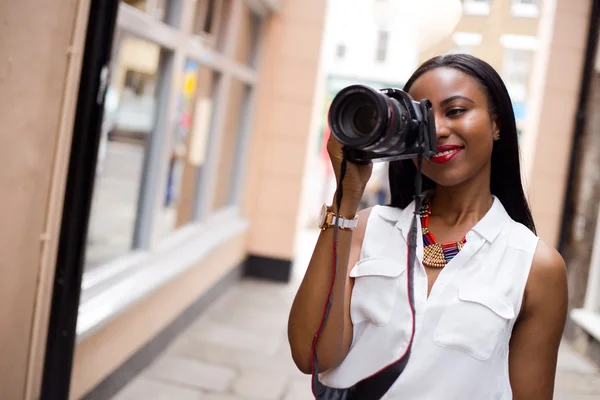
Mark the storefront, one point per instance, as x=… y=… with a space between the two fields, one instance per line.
x=154 y=189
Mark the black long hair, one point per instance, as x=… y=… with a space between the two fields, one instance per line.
x=505 y=180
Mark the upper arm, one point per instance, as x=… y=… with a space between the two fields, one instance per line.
x=358 y=237
x=355 y=248
x=537 y=333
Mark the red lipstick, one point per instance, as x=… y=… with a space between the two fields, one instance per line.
x=446 y=153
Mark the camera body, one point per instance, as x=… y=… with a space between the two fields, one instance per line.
x=382 y=125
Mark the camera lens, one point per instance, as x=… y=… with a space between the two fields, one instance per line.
x=365 y=119
x=372 y=123
x=358 y=116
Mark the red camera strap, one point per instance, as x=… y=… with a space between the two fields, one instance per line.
x=375 y=386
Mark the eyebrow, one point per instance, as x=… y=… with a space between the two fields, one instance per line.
x=452 y=98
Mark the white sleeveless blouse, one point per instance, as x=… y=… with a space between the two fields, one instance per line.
x=463 y=329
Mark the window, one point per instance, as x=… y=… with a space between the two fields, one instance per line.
x=517 y=64
x=128 y=123
x=382 y=46
x=476 y=7
x=525 y=9
x=515 y=72
x=340 y=51
x=210 y=19
x=156 y=8
x=238 y=93
x=188 y=152
x=465 y=42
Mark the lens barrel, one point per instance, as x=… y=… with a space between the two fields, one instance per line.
x=365 y=119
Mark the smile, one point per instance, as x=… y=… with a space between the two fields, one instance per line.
x=445 y=154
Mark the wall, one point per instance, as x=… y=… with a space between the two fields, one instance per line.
x=288 y=80
x=40 y=57
x=554 y=88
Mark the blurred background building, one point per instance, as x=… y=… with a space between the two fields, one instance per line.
x=505 y=34
x=209 y=155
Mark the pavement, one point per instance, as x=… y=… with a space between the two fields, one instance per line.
x=238 y=350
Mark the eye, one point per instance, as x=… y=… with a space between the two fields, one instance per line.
x=455 y=112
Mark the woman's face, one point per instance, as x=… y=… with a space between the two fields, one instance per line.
x=465 y=129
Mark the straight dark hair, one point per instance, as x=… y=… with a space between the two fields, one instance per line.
x=505 y=180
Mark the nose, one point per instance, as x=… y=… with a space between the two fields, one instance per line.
x=441 y=127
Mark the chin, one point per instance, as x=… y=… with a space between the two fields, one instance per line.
x=448 y=178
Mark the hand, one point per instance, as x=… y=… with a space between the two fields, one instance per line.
x=357 y=175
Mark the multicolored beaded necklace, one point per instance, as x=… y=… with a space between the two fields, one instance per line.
x=436 y=255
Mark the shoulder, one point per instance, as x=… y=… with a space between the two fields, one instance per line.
x=547 y=284
x=548 y=268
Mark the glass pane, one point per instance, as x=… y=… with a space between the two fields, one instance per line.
x=189 y=145
x=246 y=41
x=211 y=19
x=156 y=8
x=229 y=141
x=128 y=120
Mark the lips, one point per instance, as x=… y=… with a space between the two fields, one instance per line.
x=446 y=153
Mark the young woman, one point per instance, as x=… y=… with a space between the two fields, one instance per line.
x=490 y=303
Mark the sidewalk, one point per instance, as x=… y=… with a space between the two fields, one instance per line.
x=238 y=350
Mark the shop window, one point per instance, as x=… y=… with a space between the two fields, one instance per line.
x=156 y=8
x=129 y=116
x=188 y=154
x=236 y=103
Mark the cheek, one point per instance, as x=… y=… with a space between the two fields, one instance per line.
x=479 y=136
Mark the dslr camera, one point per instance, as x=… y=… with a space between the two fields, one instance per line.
x=382 y=125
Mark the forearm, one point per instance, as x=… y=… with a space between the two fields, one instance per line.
x=309 y=304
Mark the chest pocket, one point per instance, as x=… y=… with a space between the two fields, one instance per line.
x=474 y=322
x=375 y=289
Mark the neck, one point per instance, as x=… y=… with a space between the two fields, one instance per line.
x=462 y=204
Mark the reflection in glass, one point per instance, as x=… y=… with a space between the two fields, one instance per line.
x=189 y=145
x=128 y=121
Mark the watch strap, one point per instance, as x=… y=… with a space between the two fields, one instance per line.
x=344 y=223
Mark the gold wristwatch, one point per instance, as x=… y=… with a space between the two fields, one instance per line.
x=327 y=219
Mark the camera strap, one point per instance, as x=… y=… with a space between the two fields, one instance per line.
x=375 y=386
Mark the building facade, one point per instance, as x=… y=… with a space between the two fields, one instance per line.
x=206 y=108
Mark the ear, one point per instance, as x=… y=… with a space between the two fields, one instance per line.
x=495 y=130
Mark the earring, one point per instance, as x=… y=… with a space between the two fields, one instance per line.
x=498 y=137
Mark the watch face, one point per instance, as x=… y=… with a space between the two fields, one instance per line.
x=322 y=216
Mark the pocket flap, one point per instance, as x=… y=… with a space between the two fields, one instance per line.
x=498 y=304
x=378 y=266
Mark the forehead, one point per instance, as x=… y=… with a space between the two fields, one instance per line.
x=441 y=83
